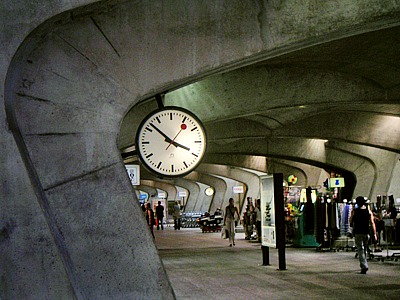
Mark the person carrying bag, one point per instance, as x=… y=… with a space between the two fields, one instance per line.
x=229 y=221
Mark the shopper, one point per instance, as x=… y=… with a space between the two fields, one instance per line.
x=150 y=218
x=229 y=221
x=360 y=218
x=160 y=216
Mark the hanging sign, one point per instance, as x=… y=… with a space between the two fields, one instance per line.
x=133 y=173
x=336 y=182
x=238 y=189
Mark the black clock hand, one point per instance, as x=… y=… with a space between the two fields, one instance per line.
x=180 y=145
x=176 y=144
x=167 y=139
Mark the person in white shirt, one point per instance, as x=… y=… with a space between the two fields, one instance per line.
x=229 y=221
x=257 y=213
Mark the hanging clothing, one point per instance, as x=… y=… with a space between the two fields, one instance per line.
x=319 y=208
x=309 y=218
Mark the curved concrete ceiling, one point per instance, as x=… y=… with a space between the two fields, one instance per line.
x=292 y=106
x=345 y=90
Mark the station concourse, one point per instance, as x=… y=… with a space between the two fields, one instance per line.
x=202 y=266
x=308 y=89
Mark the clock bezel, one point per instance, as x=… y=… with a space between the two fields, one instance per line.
x=140 y=130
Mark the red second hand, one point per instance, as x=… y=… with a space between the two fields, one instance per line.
x=183 y=127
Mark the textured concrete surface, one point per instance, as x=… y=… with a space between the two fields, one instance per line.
x=202 y=266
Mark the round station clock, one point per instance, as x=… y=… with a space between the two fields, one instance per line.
x=171 y=141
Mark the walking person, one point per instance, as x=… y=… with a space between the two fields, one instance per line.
x=229 y=221
x=150 y=218
x=160 y=216
x=361 y=217
x=177 y=216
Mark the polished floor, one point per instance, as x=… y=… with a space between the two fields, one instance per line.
x=202 y=266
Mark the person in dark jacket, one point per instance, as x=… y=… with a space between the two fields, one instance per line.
x=361 y=218
x=160 y=216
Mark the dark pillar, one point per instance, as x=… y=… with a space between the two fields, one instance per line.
x=280 y=219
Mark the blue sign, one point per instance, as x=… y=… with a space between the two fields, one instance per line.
x=336 y=182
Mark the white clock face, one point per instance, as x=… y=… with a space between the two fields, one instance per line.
x=171 y=141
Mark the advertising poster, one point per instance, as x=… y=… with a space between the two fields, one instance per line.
x=267 y=211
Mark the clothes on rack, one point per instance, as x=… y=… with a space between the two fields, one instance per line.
x=345 y=213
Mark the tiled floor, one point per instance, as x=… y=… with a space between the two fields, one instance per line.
x=202 y=266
